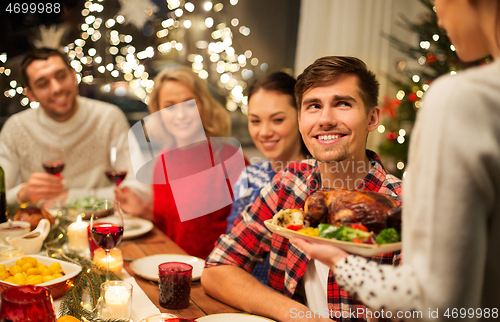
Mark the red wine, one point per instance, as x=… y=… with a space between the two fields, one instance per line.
x=107 y=236
x=116 y=176
x=174 y=291
x=53 y=167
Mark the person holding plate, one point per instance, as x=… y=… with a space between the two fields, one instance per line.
x=452 y=190
x=337 y=98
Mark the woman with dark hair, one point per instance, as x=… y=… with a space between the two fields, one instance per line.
x=274 y=128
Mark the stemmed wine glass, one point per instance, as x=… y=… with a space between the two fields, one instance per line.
x=114 y=173
x=107 y=232
x=53 y=161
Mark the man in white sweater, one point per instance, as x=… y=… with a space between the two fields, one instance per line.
x=84 y=129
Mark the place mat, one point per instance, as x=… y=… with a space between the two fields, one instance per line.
x=142 y=306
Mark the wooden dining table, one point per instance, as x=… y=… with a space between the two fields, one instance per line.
x=156 y=242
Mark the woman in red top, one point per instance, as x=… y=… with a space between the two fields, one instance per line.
x=191 y=171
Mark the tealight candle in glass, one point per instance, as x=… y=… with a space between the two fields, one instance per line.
x=115 y=300
x=115 y=259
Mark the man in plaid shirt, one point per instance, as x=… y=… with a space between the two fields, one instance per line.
x=337 y=98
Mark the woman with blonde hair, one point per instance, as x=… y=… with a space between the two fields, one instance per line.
x=184 y=116
x=184 y=85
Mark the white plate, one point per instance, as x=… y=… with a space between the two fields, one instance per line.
x=132 y=227
x=353 y=248
x=147 y=267
x=232 y=317
x=135 y=227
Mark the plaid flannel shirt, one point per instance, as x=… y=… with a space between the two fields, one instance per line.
x=249 y=241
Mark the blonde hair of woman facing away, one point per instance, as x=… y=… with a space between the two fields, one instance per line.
x=214 y=117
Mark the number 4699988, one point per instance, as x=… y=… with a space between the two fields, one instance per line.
x=25 y=7
x=477 y=313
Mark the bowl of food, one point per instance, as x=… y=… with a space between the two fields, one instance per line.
x=56 y=275
x=14 y=229
x=83 y=207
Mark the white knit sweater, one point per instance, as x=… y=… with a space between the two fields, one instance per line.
x=87 y=138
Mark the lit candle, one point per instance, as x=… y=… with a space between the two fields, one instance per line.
x=115 y=259
x=77 y=235
x=117 y=300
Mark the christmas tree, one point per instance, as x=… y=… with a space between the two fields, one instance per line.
x=428 y=59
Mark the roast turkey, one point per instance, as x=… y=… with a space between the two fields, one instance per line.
x=375 y=210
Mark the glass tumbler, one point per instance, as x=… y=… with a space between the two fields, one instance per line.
x=27 y=303
x=175 y=285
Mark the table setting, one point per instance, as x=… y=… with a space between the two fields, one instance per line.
x=86 y=260
x=112 y=266
x=123 y=267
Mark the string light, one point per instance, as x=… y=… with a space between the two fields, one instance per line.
x=233 y=68
x=425 y=45
x=207 y=6
x=189 y=6
x=218 y=7
x=209 y=22
x=179 y=12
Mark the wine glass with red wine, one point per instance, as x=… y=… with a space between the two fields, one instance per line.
x=114 y=173
x=106 y=226
x=53 y=161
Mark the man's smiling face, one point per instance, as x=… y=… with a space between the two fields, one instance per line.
x=333 y=120
x=54 y=85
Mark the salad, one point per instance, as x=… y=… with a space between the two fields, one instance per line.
x=85 y=203
x=356 y=233
x=293 y=219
